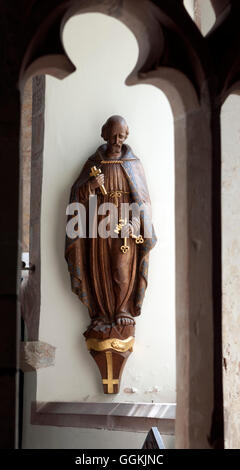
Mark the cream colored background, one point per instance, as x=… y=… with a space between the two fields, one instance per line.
x=189 y=5
x=231 y=270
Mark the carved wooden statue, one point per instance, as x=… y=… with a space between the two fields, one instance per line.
x=109 y=274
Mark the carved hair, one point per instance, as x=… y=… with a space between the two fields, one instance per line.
x=109 y=122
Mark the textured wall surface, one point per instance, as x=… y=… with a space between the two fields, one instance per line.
x=231 y=268
x=26 y=141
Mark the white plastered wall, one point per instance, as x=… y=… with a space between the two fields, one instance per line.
x=231 y=269
x=189 y=5
x=230 y=142
x=202 y=9
x=104 y=52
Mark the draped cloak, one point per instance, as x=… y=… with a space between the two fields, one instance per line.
x=91 y=277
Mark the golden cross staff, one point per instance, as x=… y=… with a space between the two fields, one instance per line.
x=95 y=172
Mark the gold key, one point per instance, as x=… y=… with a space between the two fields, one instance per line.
x=138 y=239
x=122 y=222
x=115 y=195
x=125 y=247
x=119 y=226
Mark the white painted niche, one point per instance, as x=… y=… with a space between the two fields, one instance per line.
x=105 y=51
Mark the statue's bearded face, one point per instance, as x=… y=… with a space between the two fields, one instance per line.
x=117 y=133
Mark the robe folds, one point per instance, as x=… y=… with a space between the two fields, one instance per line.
x=107 y=281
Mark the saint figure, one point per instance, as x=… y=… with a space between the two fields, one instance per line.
x=112 y=283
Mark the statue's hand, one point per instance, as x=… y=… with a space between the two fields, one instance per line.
x=126 y=230
x=97 y=181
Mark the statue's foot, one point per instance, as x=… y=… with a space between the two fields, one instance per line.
x=124 y=319
x=98 y=321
